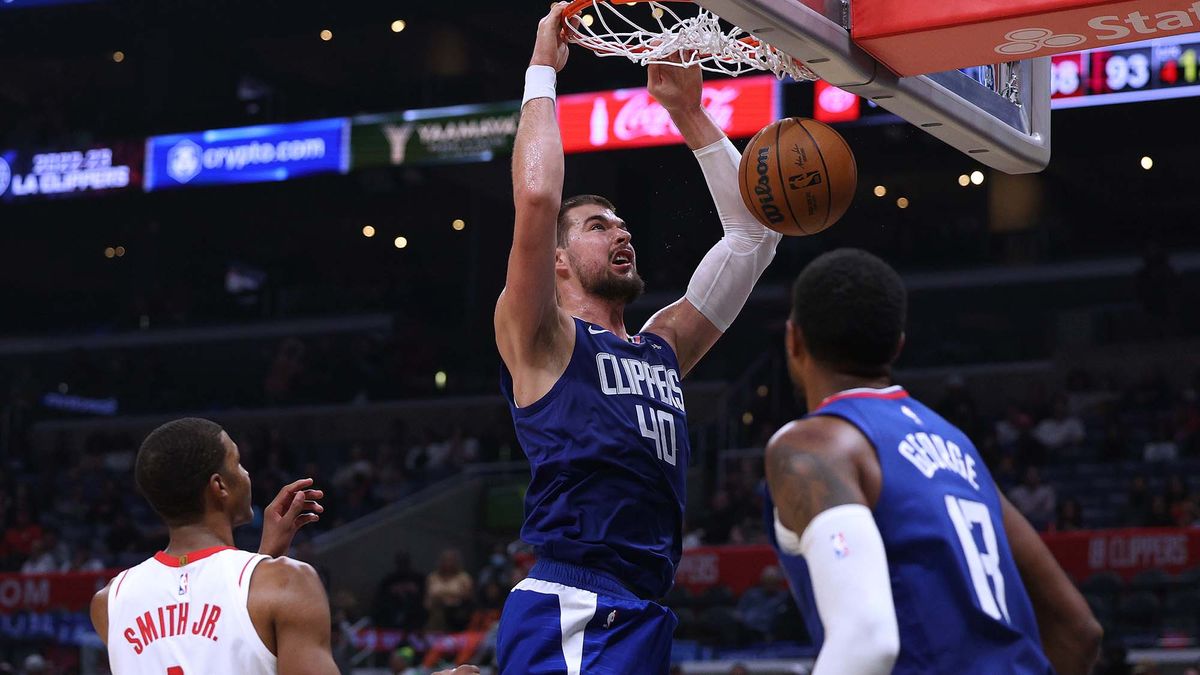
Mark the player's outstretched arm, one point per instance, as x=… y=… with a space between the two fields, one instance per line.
x=1070 y=634
x=290 y=593
x=822 y=514
x=724 y=278
x=527 y=315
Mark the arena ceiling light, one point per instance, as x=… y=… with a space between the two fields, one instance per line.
x=977 y=177
x=400 y=242
x=459 y=224
x=1147 y=163
x=399 y=25
x=368 y=231
x=902 y=202
x=880 y=191
x=326 y=35
x=964 y=180
x=118 y=56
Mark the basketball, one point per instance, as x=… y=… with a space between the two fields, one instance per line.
x=798 y=176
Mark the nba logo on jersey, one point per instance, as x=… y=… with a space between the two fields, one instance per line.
x=840 y=548
x=183 y=583
x=635 y=339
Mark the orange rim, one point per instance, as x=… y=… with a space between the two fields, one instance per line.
x=576 y=6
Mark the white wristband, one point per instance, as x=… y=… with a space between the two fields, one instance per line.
x=539 y=83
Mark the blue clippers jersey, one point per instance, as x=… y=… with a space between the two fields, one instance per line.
x=960 y=604
x=608 y=449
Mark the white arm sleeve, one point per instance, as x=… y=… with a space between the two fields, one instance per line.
x=724 y=278
x=853 y=590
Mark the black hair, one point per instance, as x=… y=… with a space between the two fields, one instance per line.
x=570 y=203
x=850 y=307
x=174 y=465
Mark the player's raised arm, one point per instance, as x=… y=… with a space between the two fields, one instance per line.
x=527 y=315
x=813 y=478
x=1070 y=634
x=723 y=280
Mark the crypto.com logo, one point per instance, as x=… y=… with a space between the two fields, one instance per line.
x=183 y=161
x=1029 y=40
x=5 y=175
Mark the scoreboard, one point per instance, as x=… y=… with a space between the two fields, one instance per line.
x=1143 y=71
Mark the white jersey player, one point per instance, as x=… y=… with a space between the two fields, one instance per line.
x=202 y=606
x=189 y=615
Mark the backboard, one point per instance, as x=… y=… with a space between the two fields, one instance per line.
x=1001 y=119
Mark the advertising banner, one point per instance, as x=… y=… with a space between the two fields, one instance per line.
x=1125 y=552
x=1081 y=554
x=631 y=118
x=466 y=133
x=98 y=169
x=273 y=152
x=71 y=591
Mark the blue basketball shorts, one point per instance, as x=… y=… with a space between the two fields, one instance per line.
x=570 y=620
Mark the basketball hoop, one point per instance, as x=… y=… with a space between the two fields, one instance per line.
x=648 y=31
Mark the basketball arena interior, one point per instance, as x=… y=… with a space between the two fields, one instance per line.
x=294 y=218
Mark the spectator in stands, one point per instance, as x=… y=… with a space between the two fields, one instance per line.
x=286 y=370
x=46 y=555
x=722 y=517
x=1159 y=514
x=355 y=468
x=1138 y=503
x=400 y=600
x=1015 y=424
x=1035 y=499
x=1070 y=516
x=402 y=662
x=1163 y=448
x=760 y=606
x=958 y=406
x=19 y=538
x=448 y=593
x=83 y=559
x=739 y=669
x=1061 y=429
x=1006 y=474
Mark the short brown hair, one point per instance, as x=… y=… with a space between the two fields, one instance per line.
x=572 y=202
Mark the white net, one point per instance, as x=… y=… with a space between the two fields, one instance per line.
x=700 y=40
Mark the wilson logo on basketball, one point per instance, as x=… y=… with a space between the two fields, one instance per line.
x=766 y=198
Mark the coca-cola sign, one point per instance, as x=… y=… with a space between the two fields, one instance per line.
x=631 y=118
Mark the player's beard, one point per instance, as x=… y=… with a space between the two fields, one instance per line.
x=603 y=283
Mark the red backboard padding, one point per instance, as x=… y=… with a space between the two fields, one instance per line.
x=913 y=37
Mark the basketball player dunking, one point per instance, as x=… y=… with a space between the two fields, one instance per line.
x=202 y=606
x=599 y=412
x=902 y=553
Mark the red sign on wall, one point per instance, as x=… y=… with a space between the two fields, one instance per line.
x=1081 y=554
x=831 y=104
x=631 y=118
x=1125 y=552
x=70 y=591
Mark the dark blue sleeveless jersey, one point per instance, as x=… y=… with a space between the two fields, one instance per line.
x=608 y=450
x=960 y=604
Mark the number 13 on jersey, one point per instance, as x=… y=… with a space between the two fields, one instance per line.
x=659 y=426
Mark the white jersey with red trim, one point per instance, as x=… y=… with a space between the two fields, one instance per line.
x=186 y=616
